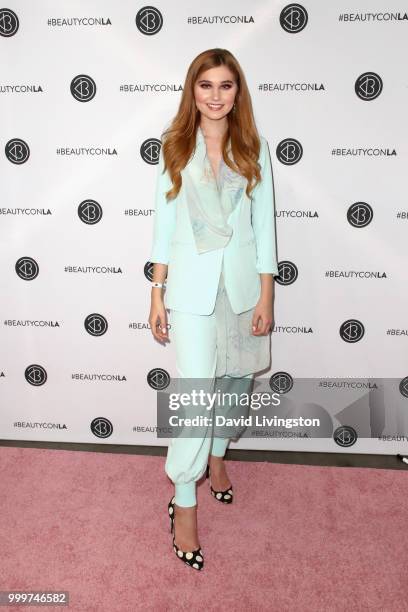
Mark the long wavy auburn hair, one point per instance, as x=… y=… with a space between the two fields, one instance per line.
x=179 y=139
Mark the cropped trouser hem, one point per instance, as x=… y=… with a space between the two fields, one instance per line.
x=219 y=446
x=185 y=492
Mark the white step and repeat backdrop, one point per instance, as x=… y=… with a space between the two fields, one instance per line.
x=85 y=90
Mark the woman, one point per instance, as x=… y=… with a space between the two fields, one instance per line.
x=214 y=240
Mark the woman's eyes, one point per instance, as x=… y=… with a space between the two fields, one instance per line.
x=225 y=86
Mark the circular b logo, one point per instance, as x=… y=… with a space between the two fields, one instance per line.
x=289 y=151
x=149 y=20
x=158 y=379
x=27 y=268
x=368 y=86
x=17 y=151
x=35 y=375
x=403 y=386
x=101 y=427
x=293 y=18
x=150 y=151
x=360 y=214
x=351 y=330
x=83 y=88
x=288 y=273
x=90 y=212
x=96 y=324
x=8 y=22
x=345 y=436
x=148 y=270
x=281 y=382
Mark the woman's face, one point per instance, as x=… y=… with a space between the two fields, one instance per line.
x=215 y=91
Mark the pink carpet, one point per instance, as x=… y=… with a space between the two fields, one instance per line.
x=296 y=538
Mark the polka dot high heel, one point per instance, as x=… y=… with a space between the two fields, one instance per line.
x=194 y=558
x=226 y=496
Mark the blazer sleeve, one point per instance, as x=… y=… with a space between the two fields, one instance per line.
x=165 y=216
x=263 y=215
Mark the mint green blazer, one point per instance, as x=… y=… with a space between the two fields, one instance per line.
x=192 y=277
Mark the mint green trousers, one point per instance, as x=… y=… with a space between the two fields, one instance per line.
x=195 y=340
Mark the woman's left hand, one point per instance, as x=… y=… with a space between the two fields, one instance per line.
x=262 y=320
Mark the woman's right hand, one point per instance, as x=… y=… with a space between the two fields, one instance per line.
x=158 y=320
